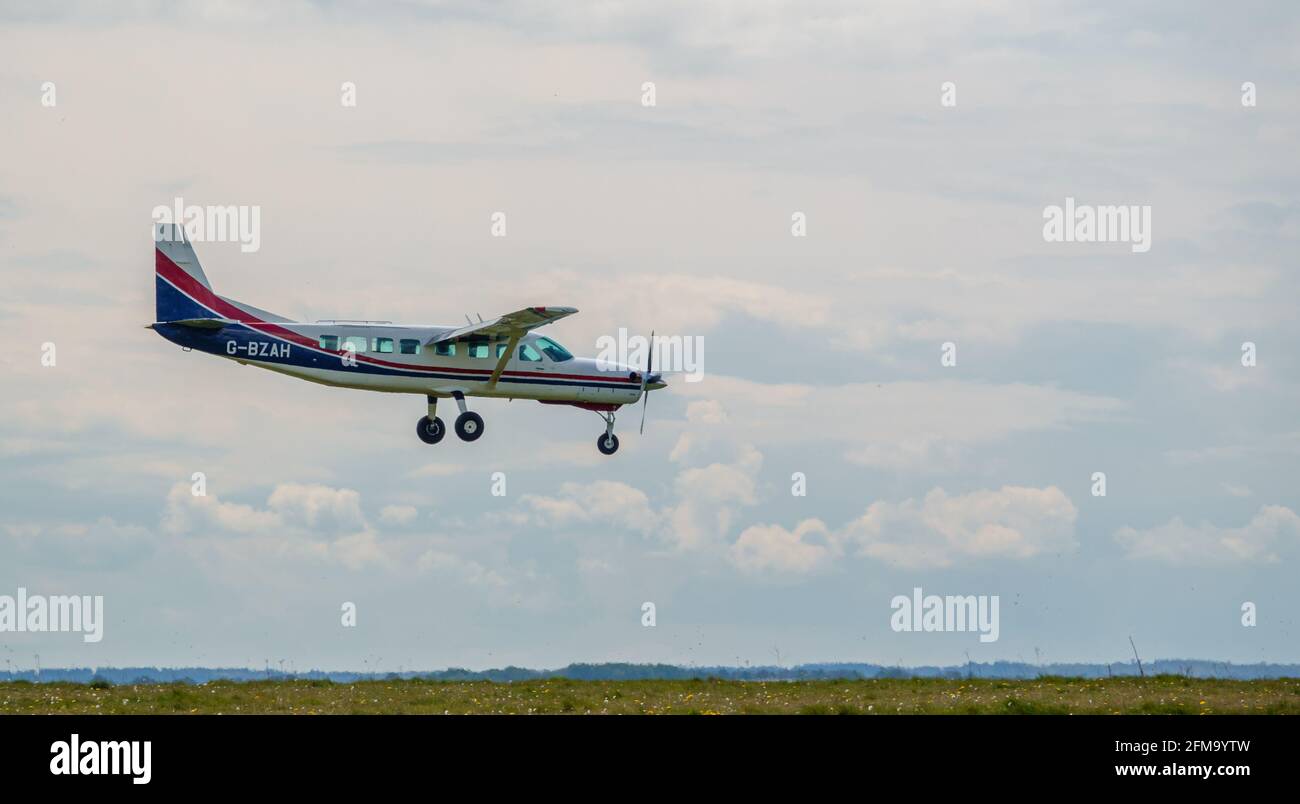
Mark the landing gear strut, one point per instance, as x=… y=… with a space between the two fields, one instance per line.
x=430 y=428
x=469 y=425
x=608 y=442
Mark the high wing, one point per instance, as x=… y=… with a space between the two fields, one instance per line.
x=510 y=325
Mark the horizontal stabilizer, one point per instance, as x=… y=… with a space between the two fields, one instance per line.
x=203 y=323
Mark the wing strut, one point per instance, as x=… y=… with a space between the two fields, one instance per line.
x=505 y=357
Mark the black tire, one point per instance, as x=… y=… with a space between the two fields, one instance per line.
x=430 y=431
x=469 y=426
x=607 y=444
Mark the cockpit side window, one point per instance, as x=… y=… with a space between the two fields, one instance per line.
x=553 y=350
x=529 y=354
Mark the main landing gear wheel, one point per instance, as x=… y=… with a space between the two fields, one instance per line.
x=430 y=431
x=469 y=426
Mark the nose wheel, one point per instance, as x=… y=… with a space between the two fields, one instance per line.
x=607 y=442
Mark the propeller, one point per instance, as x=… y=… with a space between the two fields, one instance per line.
x=645 y=380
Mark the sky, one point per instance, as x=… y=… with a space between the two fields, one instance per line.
x=919 y=144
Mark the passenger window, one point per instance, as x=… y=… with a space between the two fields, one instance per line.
x=529 y=354
x=446 y=349
x=410 y=347
x=355 y=343
x=477 y=349
x=329 y=343
x=383 y=345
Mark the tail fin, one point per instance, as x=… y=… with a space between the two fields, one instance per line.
x=176 y=274
x=182 y=291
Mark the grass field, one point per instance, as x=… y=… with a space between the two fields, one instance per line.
x=1155 y=695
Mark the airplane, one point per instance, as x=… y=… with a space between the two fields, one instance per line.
x=499 y=358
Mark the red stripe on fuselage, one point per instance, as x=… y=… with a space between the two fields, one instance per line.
x=191 y=287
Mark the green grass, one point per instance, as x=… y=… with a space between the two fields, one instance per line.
x=1157 y=695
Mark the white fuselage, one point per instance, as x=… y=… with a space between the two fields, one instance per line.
x=396 y=358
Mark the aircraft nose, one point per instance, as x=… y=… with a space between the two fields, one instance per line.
x=654 y=381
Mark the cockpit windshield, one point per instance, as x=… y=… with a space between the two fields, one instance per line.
x=553 y=350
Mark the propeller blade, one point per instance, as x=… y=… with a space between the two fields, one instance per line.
x=645 y=380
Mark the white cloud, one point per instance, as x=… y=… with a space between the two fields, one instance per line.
x=605 y=501
x=708 y=500
x=722 y=482
x=469 y=571
x=699 y=516
x=316 y=507
x=101 y=544
x=1013 y=522
x=1275 y=529
x=308 y=522
x=398 y=514
x=761 y=548
x=1263 y=446
x=901 y=426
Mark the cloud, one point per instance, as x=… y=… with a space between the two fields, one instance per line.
x=1260 y=447
x=1226 y=376
x=699 y=516
x=398 y=514
x=468 y=571
x=1275 y=529
x=319 y=508
x=604 y=501
x=900 y=426
x=722 y=482
x=299 y=522
x=763 y=548
x=1013 y=522
x=101 y=544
